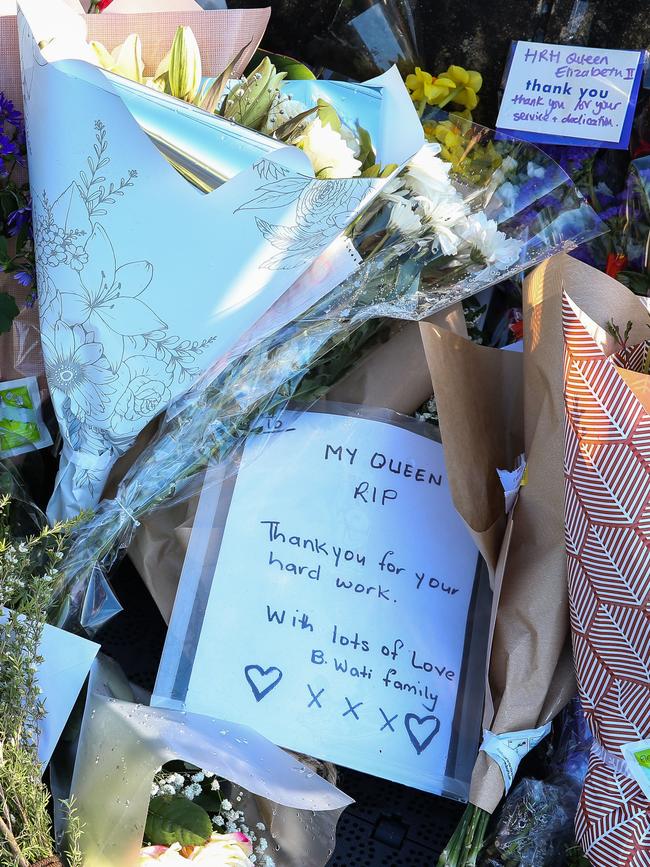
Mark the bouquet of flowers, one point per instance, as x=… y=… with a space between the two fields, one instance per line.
x=535 y=826
x=112 y=362
x=433 y=236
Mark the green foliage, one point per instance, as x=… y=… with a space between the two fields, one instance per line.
x=8 y=310
x=294 y=69
x=74 y=831
x=175 y=819
x=28 y=572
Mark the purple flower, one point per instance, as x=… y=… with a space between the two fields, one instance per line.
x=9 y=112
x=24 y=278
x=18 y=219
x=7 y=146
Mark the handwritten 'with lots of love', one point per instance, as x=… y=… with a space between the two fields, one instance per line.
x=336 y=621
x=564 y=94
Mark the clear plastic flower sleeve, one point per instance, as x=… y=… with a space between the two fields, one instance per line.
x=122 y=744
x=522 y=207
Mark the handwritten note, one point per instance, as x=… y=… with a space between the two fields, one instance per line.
x=564 y=94
x=337 y=618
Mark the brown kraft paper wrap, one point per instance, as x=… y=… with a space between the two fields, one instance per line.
x=220 y=34
x=494 y=405
x=392 y=375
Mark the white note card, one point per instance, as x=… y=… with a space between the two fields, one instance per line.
x=566 y=94
x=337 y=619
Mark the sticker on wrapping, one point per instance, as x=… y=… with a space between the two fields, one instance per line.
x=565 y=94
x=509 y=748
x=353 y=573
x=637 y=760
x=21 y=423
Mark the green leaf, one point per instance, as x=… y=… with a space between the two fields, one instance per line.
x=367 y=154
x=8 y=312
x=210 y=99
x=210 y=801
x=175 y=819
x=296 y=71
x=328 y=115
x=284 y=131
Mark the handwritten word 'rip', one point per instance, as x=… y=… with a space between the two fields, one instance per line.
x=421 y=730
x=262 y=680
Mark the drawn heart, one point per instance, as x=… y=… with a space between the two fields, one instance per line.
x=417 y=726
x=262 y=680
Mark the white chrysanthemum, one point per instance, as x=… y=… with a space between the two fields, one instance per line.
x=403 y=220
x=509 y=165
x=494 y=247
x=447 y=216
x=534 y=170
x=428 y=175
x=329 y=154
x=351 y=140
x=283 y=108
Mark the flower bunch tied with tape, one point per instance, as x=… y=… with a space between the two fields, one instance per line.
x=288 y=257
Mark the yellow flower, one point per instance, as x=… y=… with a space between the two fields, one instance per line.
x=457 y=86
x=423 y=87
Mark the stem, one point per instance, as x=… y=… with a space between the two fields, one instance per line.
x=7 y=833
x=450 y=97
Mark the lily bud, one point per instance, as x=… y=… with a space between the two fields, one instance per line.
x=184 y=65
x=250 y=101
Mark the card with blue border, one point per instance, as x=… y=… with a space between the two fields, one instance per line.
x=565 y=94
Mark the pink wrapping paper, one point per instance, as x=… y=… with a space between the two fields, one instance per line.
x=607 y=503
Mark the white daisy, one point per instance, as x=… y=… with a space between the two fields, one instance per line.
x=403 y=220
x=447 y=216
x=494 y=247
x=428 y=175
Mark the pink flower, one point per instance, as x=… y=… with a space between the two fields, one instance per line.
x=224 y=850
x=221 y=850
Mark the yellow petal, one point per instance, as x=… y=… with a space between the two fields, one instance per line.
x=443 y=81
x=467 y=98
x=475 y=81
x=458 y=74
x=435 y=94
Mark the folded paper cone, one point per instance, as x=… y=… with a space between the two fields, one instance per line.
x=494 y=405
x=219 y=34
x=122 y=340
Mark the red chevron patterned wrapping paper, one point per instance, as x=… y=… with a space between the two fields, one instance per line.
x=607 y=475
